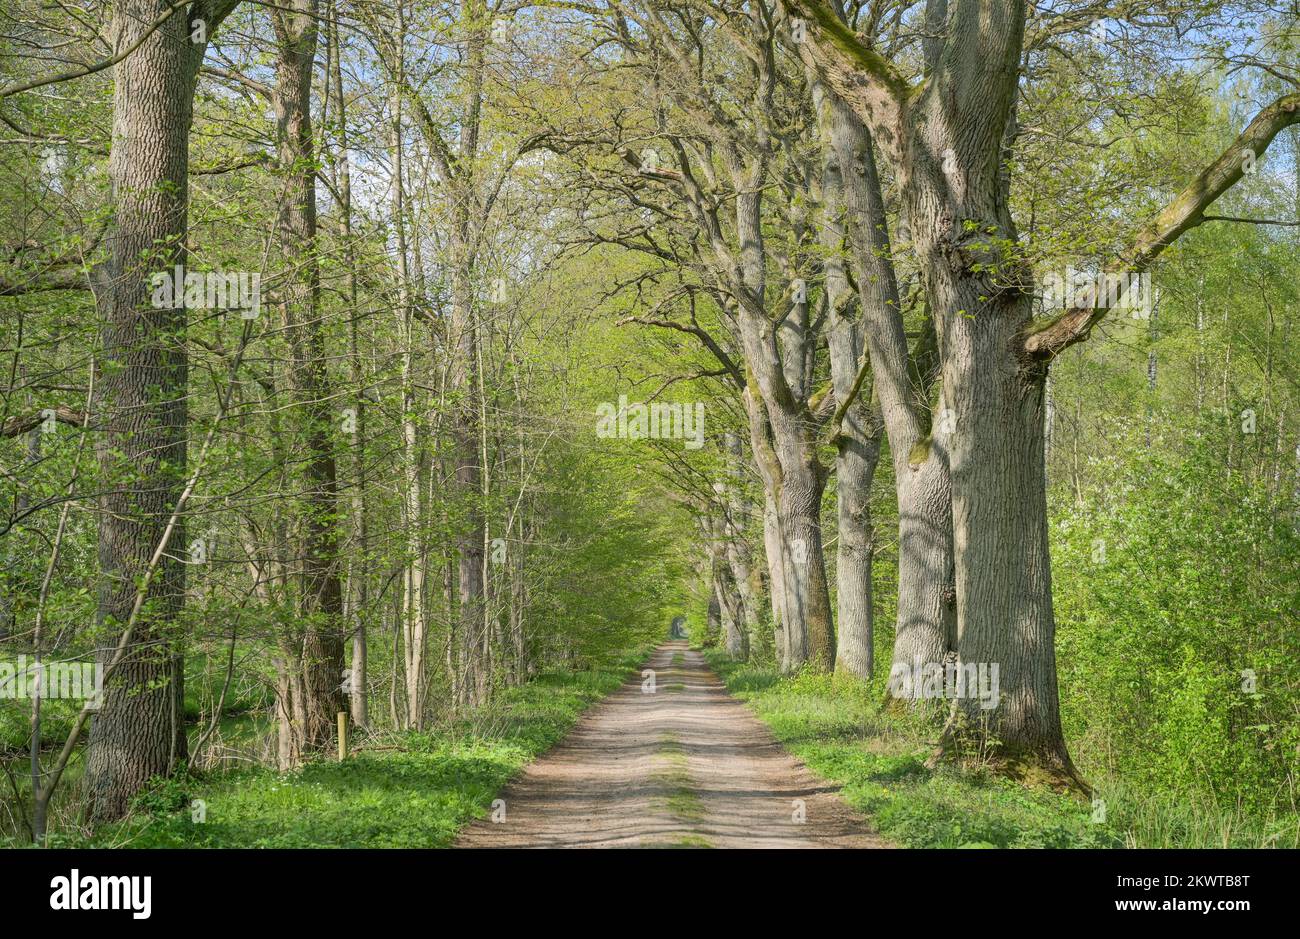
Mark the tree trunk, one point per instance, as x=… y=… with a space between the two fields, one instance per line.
x=776 y=577
x=359 y=583
x=322 y=657
x=717 y=531
x=469 y=538
x=138 y=732
x=739 y=556
x=796 y=479
x=414 y=633
x=994 y=437
x=464 y=341
x=791 y=462
x=810 y=634
x=769 y=472
x=713 y=619
x=857 y=439
x=925 y=630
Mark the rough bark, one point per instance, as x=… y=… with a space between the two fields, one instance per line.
x=857 y=436
x=322 y=656
x=946 y=140
x=958 y=206
x=739 y=554
x=926 y=626
x=139 y=733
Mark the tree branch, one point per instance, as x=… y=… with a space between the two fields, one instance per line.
x=28 y=85
x=22 y=423
x=1183 y=213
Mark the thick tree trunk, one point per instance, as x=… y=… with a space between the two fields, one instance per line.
x=810 y=634
x=999 y=506
x=994 y=437
x=855 y=467
x=139 y=732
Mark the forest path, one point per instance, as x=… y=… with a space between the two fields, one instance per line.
x=686 y=766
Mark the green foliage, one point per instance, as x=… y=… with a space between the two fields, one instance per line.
x=407 y=790
x=1177 y=607
x=838 y=727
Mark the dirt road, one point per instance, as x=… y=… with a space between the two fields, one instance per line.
x=685 y=766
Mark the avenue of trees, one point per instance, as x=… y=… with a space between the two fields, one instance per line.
x=309 y=311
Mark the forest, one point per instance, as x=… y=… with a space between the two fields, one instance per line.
x=541 y=422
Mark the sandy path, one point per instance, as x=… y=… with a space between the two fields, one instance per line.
x=686 y=766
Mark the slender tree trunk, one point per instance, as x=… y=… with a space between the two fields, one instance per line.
x=739 y=556
x=322 y=657
x=926 y=627
x=413 y=580
x=858 y=437
x=469 y=540
x=359 y=587
x=717 y=531
x=769 y=472
x=464 y=341
x=776 y=577
x=713 y=619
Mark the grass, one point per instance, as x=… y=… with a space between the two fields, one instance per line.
x=836 y=725
x=57 y=717
x=682 y=801
x=417 y=792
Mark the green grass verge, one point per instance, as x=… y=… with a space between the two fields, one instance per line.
x=416 y=795
x=836 y=725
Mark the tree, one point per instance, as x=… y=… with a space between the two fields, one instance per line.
x=946 y=136
x=316 y=695
x=139 y=732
